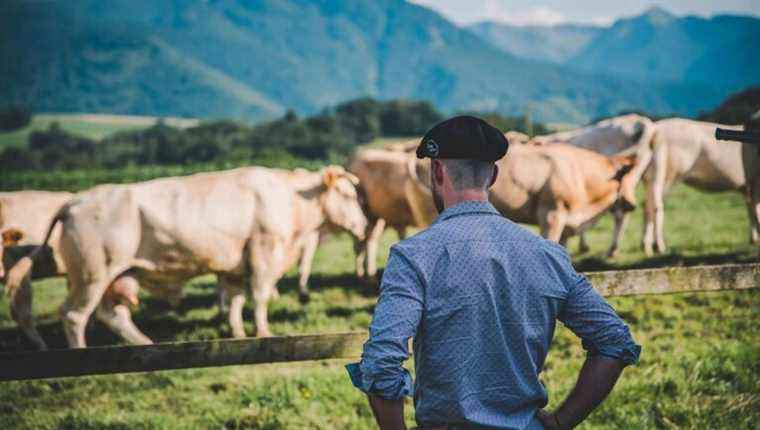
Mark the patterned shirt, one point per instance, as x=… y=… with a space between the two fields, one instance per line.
x=480 y=295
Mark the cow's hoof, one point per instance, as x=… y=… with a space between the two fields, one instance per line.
x=304 y=298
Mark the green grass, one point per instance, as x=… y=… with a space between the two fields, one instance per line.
x=700 y=366
x=69 y=123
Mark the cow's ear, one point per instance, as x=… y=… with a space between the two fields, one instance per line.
x=12 y=237
x=331 y=175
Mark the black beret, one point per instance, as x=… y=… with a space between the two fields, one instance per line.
x=463 y=137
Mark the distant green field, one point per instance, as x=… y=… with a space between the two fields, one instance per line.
x=700 y=366
x=87 y=125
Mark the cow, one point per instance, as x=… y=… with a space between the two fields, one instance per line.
x=561 y=188
x=620 y=135
x=24 y=217
x=684 y=150
x=391 y=199
x=241 y=224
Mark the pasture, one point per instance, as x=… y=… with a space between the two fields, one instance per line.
x=700 y=365
x=92 y=126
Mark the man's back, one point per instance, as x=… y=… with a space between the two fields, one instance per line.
x=480 y=295
x=492 y=292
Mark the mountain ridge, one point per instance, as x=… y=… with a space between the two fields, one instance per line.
x=253 y=60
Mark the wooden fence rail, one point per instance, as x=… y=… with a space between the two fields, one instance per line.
x=227 y=352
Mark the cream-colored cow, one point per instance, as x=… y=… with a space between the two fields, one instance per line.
x=686 y=151
x=239 y=224
x=24 y=218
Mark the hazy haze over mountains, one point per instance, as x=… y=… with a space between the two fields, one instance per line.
x=254 y=60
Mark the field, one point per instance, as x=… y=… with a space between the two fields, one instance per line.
x=88 y=125
x=700 y=366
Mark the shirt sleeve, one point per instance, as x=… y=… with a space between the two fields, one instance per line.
x=587 y=314
x=397 y=315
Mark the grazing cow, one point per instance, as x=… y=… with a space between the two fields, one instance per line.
x=561 y=188
x=390 y=199
x=239 y=224
x=24 y=218
x=686 y=151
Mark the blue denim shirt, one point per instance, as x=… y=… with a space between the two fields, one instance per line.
x=480 y=295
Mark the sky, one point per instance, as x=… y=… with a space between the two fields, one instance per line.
x=600 y=12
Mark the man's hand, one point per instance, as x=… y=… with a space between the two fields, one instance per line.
x=388 y=413
x=548 y=420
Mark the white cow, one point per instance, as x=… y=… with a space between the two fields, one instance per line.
x=242 y=224
x=686 y=151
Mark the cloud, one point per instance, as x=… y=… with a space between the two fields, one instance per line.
x=537 y=15
x=465 y=12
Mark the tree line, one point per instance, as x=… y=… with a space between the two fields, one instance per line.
x=331 y=135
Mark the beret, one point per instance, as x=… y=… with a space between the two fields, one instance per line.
x=463 y=137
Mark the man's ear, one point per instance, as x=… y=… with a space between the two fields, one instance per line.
x=437 y=169
x=12 y=237
x=495 y=175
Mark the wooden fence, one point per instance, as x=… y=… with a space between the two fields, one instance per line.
x=227 y=352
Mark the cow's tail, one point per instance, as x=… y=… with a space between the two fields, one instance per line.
x=23 y=268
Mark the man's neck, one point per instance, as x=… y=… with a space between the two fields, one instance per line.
x=465 y=196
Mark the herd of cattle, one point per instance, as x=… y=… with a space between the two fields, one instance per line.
x=250 y=225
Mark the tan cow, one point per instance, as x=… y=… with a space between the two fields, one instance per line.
x=24 y=218
x=561 y=188
x=240 y=224
x=620 y=135
x=391 y=199
x=686 y=151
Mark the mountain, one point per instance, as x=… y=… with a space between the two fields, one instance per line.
x=555 y=44
x=657 y=46
x=254 y=60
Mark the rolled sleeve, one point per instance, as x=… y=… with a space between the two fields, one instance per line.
x=592 y=319
x=397 y=315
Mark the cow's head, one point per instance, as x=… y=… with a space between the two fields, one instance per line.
x=341 y=201
x=10 y=237
x=625 y=174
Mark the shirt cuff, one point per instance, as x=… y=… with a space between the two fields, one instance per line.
x=390 y=387
x=628 y=354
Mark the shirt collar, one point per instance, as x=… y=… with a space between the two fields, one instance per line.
x=467 y=207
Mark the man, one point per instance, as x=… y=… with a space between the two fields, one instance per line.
x=480 y=295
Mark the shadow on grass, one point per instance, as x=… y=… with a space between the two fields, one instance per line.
x=673 y=258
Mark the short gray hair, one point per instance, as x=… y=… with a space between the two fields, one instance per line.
x=468 y=174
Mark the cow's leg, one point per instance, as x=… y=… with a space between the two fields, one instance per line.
x=79 y=305
x=753 y=208
x=552 y=222
x=582 y=244
x=402 y=232
x=360 y=249
x=114 y=312
x=231 y=287
x=621 y=220
x=373 y=241
x=21 y=311
x=267 y=259
x=311 y=242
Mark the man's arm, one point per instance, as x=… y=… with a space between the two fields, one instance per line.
x=595 y=381
x=389 y=414
x=607 y=339
x=380 y=373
